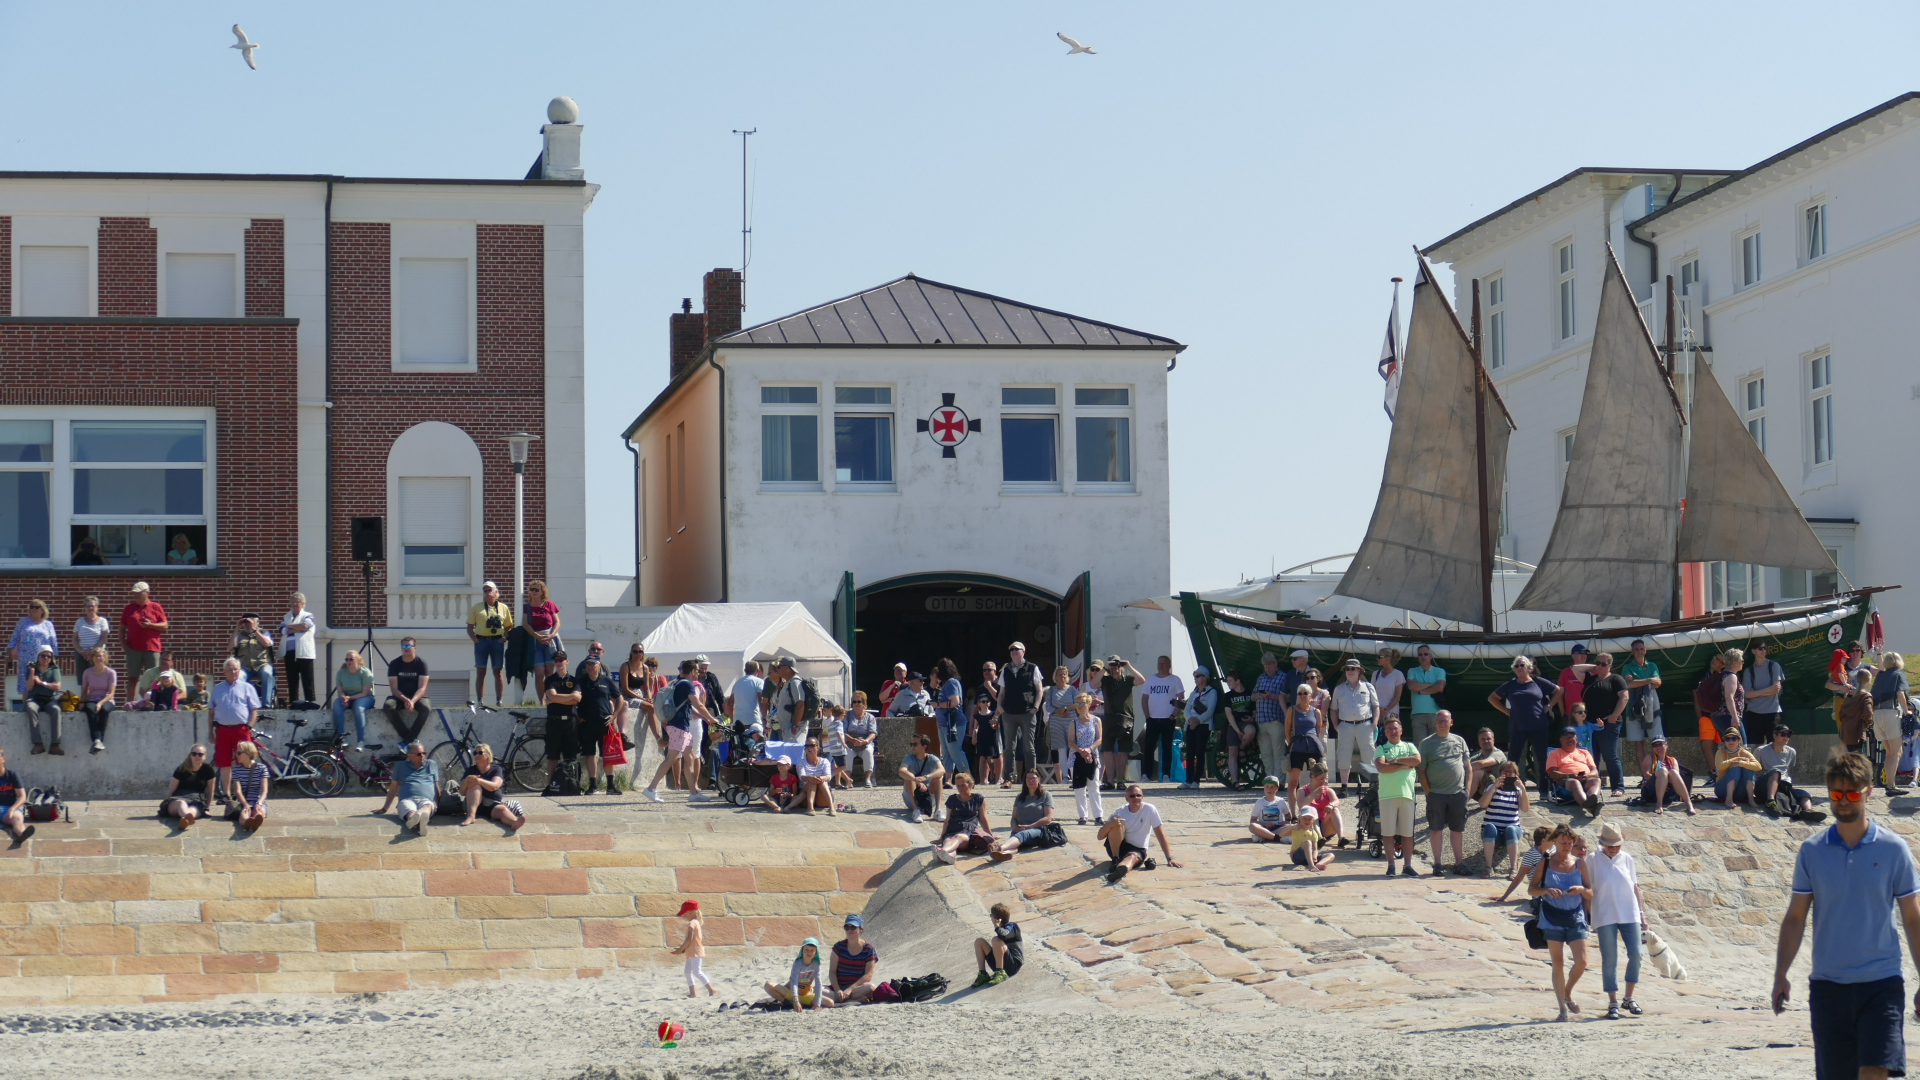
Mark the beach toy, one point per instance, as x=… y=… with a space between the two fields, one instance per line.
x=671 y=1034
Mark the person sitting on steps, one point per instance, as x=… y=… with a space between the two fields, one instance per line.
x=1000 y=957
x=1125 y=836
x=921 y=779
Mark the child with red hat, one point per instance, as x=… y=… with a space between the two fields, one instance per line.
x=694 y=948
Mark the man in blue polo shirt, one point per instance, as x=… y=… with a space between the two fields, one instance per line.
x=1851 y=875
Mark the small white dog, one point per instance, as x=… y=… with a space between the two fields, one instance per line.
x=1663 y=958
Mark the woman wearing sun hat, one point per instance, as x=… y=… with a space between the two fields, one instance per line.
x=1617 y=917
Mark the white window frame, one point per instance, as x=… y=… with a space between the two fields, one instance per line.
x=1818 y=367
x=434 y=448
x=1062 y=438
x=1749 y=255
x=822 y=434
x=1566 y=294
x=1753 y=407
x=1563 y=451
x=863 y=411
x=190 y=235
x=1814 y=236
x=56 y=230
x=1722 y=578
x=62 y=519
x=434 y=240
x=1130 y=485
x=401 y=521
x=1496 y=322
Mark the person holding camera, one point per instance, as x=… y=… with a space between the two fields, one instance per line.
x=1504 y=801
x=253 y=647
x=488 y=623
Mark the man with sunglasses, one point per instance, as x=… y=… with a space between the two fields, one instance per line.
x=1851 y=876
x=1777 y=792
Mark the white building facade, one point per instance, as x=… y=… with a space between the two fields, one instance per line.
x=933 y=472
x=1791 y=273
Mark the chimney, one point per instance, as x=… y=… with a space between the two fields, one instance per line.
x=686 y=336
x=688 y=333
x=560 y=148
x=724 y=300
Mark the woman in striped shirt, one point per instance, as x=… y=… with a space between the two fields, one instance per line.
x=248 y=787
x=1503 y=801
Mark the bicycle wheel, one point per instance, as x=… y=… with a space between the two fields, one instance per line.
x=453 y=758
x=316 y=774
x=527 y=765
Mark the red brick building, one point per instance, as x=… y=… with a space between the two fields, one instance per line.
x=205 y=378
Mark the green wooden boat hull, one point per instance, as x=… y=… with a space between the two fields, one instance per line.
x=1803 y=637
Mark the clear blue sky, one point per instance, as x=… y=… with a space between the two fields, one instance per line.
x=1244 y=178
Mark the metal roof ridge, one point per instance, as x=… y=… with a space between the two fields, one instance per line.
x=1584 y=170
x=1804 y=144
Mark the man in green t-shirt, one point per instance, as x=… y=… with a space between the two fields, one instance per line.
x=1397 y=762
x=1643 y=707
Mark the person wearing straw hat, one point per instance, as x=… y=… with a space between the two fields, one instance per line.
x=1618 y=917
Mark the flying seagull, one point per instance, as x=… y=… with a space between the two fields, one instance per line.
x=1076 y=49
x=246 y=47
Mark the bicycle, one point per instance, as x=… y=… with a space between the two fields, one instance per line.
x=524 y=759
x=314 y=772
x=375 y=777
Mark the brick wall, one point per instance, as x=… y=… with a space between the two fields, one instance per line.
x=129 y=275
x=254 y=508
x=6 y=266
x=266 y=269
x=373 y=404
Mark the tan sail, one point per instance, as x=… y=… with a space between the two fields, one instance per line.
x=1737 y=509
x=1423 y=547
x=1612 y=547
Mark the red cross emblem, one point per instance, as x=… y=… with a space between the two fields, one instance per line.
x=948 y=425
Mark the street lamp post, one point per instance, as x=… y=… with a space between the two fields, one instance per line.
x=518 y=445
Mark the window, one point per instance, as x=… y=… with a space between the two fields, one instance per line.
x=1750 y=260
x=26 y=484
x=1103 y=435
x=1753 y=405
x=1029 y=435
x=1689 y=275
x=1566 y=453
x=863 y=443
x=1496 y=322
x=1563 y=271
x=53 y=281
x=1827 y=582
x=1820 y=389
x=432 y=323
x=1734 y=584
x=201 y=286
x=133 y=485
x=434 y=514
x=1800 y=584
x=789 y=438
x=1816 y=231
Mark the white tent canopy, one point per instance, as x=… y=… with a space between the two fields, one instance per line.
x=729 y=635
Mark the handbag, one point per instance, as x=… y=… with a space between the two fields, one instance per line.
x=613 y=749
x=1536 y=937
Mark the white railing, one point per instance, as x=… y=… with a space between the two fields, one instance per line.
x=429 y=605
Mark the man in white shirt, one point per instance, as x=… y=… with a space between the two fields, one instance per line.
x=1156 y=750
x=743 y=704
x=1125 y=835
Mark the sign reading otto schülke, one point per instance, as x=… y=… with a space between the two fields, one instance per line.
x=984 y=604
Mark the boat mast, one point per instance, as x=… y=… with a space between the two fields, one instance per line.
x=1676 y=604
x=1480 y=460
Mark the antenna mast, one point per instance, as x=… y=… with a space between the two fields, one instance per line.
x=745 y=228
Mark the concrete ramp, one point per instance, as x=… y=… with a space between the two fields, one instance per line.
x=924 y=918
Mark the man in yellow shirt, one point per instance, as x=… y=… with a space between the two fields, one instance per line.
x=487 y=627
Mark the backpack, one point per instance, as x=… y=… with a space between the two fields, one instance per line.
x=812 y=712
x=924 y=988
x=1856 y=713
x=1711 y=695
x=566 y=781
x=43 y=804
x=885 y=994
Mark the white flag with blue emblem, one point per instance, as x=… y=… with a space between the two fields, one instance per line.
x=1390 y=354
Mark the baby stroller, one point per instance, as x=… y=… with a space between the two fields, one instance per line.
x=1366 y=818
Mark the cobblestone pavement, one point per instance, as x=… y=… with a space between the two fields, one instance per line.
x=1239 y=930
